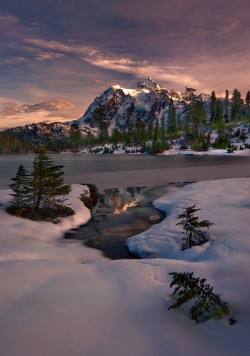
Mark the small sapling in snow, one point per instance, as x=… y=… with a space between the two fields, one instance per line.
x=206 y=303
x=191 y=225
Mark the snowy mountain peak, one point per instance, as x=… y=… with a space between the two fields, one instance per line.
x=122 y=105
x=148 y=83
x=131 y=92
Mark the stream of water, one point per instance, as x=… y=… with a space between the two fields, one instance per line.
x=124 y=212
x=120 y=214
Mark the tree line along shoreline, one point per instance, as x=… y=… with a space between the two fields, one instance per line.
x=193 y=128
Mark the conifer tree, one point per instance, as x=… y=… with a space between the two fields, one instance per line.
x=157 y=136
x=248 y=103
x=157 y=131
x=226 y=115
x=190 y=94
x=142 y=135
x=116 y=137
x=195 y=118
x=19 y=188
x=213 y=104
x=222 y=127
x=101 y=119
x=75 y=135
x=129 y=133
x=150 y=131
x=171 y=124
x=139 y=132
x=90 y=138
x=219 y=111
x=46 y=183
x=179 y=122
x=163 y=129
x=195 y=114
x=206 y=303
x=105 y=134
x=193 y=235
x=237 y=106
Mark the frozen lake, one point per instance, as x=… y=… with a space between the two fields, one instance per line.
x=110 y=171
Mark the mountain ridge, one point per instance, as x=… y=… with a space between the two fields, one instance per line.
x=121 y=105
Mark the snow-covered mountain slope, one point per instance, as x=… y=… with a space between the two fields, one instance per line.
x=41 y=132
x=122 y=105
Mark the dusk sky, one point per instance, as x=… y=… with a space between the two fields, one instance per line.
x=56 y=56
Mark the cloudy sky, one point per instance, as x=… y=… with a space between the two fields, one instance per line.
x=56 y=56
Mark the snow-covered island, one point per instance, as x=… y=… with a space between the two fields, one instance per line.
x=59 y=297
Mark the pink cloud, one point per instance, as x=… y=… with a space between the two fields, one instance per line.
x=14 y=60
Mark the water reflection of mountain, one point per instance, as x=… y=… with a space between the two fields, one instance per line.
x=119 y=199
x=108 y=229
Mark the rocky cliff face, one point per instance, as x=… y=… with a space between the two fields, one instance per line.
x=41 y=133
x=122 y=106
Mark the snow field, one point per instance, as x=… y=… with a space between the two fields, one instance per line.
x=76 y=302
x=22 y=239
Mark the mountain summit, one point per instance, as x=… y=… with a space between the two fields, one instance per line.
x=122 y=105
x=148 y=83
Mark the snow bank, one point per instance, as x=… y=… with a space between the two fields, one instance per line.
x=22 y=239
x=51 y=306
x=210 y=152
x=223 y=202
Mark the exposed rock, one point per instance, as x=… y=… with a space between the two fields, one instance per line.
x=122 y=106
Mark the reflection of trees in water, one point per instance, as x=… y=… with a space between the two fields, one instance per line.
x=122 y=198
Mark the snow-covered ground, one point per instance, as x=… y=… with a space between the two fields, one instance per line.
x=240 y=147
x=175 y=150
x=61 y=298
x=25 y=240
x=211 y=152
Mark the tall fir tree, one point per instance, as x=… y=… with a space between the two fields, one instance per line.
x=226 y=114
x=157 y=136
x=142 y=135
x=130 y=133
x=19 y=188
x=213 y=105
x=219 y=111
x=237 y=106
x=190 y=94
x=171 y=124
x=195 y=118
x=222 y=127
x=150 y=131
x=101 y=119
x=247 y=101
x=163 y=130
x=75 y=135
x=139 y=131
x=157 y=130
x=179 y=122
x=90 y=138
x=116 y=136
x=46 y=182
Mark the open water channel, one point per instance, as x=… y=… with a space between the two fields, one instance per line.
x=115 y=171
x=127 y=186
